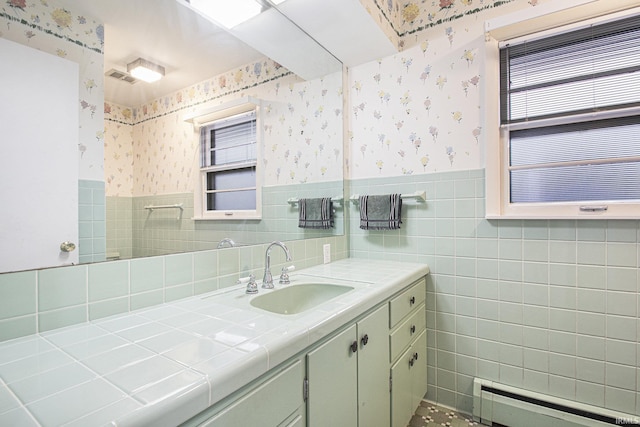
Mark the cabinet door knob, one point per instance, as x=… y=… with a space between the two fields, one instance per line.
x=411 y=362
x=413 y=329
x=364 y=339
x=354 y=346
x=415 y=356
x=412 y=300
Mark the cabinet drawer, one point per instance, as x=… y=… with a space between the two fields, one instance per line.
x=268 y=404
x=407 y=331
x=401 y=305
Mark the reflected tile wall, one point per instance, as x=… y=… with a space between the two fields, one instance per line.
x=133 y=230
x=91 y=221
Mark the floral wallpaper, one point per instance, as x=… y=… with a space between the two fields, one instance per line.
x=118 y=150
x=151 y=150
x=46 y=26
x=303 y=137
x=420 y=111
x=400 y=19
x=416 y=112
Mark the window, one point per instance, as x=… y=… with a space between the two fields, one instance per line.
x=228 y=168
x=569 y=122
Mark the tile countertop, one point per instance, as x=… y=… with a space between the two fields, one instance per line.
x=162 y=365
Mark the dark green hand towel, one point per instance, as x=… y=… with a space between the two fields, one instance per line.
x=315 y=213
x=380 y=212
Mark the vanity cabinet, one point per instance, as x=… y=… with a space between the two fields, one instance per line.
x=348 y=382
x=371 y=372
x=407 y=352
x=278 y=401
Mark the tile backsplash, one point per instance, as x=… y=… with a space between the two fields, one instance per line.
x=40 y=300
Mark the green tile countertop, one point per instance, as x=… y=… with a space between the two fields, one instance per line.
x=163 y=365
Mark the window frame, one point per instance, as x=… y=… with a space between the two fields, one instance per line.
x=208 y=117
x=497 y=179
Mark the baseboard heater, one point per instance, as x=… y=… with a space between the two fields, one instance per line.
x=501 y=405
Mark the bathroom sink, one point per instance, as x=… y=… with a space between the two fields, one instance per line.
x=295 y=299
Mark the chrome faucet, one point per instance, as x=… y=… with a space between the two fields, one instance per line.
x=224 y=241
x=267 y=280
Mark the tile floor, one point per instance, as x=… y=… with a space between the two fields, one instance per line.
x=429 y=414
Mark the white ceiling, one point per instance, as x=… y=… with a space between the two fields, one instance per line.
x=191 y=48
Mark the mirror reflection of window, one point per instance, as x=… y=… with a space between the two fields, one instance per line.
x=229 y=162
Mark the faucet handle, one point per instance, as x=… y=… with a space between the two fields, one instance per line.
x=284 y=274
x=252 y=286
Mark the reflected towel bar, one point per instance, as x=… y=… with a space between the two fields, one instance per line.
x=420 y=196
x=176 y=206
x=294 y=200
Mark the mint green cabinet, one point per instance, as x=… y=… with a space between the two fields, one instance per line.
x=332 y=374
x=419 y=370
x=348 y=376
x=408 y=352
x=373 y=368
x=371 y=372
x=278 y=401
x=409 y=382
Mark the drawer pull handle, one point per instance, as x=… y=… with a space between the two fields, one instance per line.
x=354 y=346
x=413 y=329
x=364 y=340
x=411 y=362
x=412 y=300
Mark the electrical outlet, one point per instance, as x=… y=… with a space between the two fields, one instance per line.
x=326 y=252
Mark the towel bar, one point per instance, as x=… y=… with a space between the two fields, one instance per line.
x=420 y=196
x=294 y=200
x=177 y=206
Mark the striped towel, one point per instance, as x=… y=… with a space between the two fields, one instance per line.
x=380 y=212
x=315 y=213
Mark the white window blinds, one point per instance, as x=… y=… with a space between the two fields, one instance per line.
x=229 y=141
x=228 y=162
x=588 y=70
x=570 y=104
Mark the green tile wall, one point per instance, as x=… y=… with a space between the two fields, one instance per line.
x=41 y=300
x=91 y=221
x=119 y=227
x=548 y=306
x=134 y=231
x=18 y=304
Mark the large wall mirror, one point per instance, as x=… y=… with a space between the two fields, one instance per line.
x=142 y=153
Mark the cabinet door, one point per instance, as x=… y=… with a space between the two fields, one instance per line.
x=373 y=369
x=333 y=384
x=401 y=390
x=39 y=158
x=409 y=377
x=419 y=370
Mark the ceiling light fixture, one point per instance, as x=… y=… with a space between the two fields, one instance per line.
x=145 y=70
x=229 y=14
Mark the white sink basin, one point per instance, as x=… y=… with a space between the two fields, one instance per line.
x=295 y=299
